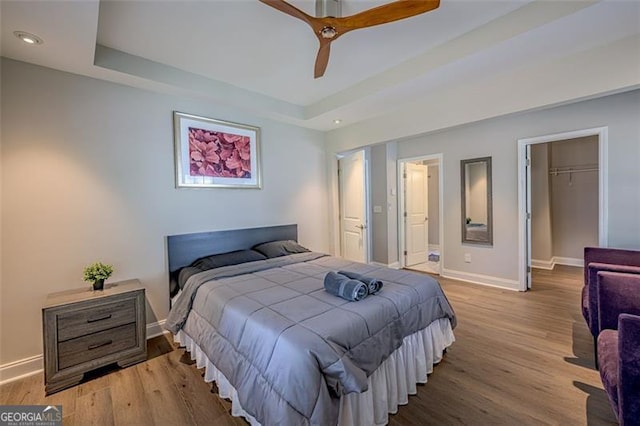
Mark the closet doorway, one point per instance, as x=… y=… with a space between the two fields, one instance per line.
x=562 y=199
x=420 y=212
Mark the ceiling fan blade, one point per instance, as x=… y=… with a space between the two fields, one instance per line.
x=395 y=11
x=322 y=60
x=291 y=10
x=329 y=28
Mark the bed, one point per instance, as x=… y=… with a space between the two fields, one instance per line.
x=287 y=352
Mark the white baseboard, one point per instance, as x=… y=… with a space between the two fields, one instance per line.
x=487 y=280
x=26 y=367
x=556 y=260
x=543 y=264
x=22 y=368
x=394 y=265
x=434 y=247
x=569 y=261
x=156 y=329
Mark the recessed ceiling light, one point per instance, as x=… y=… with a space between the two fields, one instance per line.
x=337 y=121
x=28 y=37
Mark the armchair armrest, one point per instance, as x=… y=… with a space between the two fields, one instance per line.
x=629 y=369
x=609 y=255
x=593 y=270
x=618 y=293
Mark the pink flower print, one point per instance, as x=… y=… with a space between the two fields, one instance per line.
x=230 y=138
x=226 y=151
x=234 y=162
x=219 y=154
x=211 y=137
x=243 y=145
x=196 y=134
x=203 y=156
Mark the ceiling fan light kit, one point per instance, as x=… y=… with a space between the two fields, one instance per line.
x=329 y=28
x=328 y=32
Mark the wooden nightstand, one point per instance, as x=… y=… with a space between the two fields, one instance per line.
x=85 y=329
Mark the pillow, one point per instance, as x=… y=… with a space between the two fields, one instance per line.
x=280 y=248
x=179 y=278
x=185 y=273
x=227 y=259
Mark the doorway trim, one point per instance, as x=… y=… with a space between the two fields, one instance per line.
x=401 y=208
x=603 y=150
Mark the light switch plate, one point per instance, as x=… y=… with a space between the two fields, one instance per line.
x=377 y=209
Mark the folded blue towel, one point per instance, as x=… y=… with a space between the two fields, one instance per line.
x=373 y=285
x=342 y=286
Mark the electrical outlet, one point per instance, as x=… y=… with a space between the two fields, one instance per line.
x=377 y=209
x=467 y=257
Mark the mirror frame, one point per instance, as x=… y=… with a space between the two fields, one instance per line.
x=465 y=239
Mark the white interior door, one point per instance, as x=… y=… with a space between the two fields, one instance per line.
x=528 y=216
x=417 y=208
x=353 y=220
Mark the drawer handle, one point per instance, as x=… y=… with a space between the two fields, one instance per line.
x=106 y=317
x=99 y=345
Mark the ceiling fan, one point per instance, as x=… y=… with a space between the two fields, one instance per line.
x=329 y=28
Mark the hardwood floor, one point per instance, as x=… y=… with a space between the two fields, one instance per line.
x=519 y=358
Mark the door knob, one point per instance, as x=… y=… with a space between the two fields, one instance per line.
x=361 y=226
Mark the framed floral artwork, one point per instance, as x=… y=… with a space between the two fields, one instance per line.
x=215 y=154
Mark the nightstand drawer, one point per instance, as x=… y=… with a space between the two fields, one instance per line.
x=86 y=348
x=94 y=319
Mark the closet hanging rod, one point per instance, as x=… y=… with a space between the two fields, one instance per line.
x=564 y=171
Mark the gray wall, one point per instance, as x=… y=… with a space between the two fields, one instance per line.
x=574 y=201
x=498 y=138
x=383 y=173
x=392 y=202
x=378 y=186
x=88 y=174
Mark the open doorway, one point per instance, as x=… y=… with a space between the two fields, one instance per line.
x=420 y=212
x=562 y=195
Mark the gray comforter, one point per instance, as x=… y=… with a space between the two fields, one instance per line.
x=288 y=347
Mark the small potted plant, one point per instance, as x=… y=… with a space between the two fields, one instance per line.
x=96 y=273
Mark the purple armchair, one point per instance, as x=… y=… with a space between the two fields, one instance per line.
x=598 y=259
x=619 y=343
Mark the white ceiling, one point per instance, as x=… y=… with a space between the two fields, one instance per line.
x=248 y=55
x=250 y=45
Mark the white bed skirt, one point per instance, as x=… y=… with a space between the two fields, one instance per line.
x=389 y=386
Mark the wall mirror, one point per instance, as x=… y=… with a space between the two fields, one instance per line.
x=477 y=210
